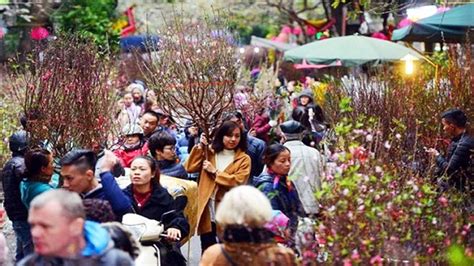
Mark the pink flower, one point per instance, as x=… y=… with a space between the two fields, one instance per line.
x=309 y=255
x=347 y=262
x=431 y=250
x=355 y=255
x=443 y=201
x=376 y=260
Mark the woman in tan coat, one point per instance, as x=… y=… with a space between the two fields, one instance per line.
x=227 y=166
x=242 y=216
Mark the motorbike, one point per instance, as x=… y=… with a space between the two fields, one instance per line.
x=149 y=233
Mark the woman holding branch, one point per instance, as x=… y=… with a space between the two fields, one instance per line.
x=226 y=166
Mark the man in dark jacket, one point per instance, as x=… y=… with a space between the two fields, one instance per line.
x=457 y=164
x=11 y=177
x=162 y=147
x=77 y=170
x=255 y=146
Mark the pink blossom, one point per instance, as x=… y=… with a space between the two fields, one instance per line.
x=309 y=254
x=355 y=255
x=347 y=262
x=431 y=250
x=443 y=201
x=376 y=260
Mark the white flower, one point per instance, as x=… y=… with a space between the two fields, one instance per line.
x=378 y=169
x=332 y=208
x=398 y=136
x=345 y=192
x=387 y=145
x=369 y=137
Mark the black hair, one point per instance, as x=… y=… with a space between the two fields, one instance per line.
x=155 y=170
x=235 y=114
x=35 y=159
x=271 y=153
x=455 y=117
x=226 y=129
x=153 y=113
x=159 y=141
x=300 y=114
x=83 y=159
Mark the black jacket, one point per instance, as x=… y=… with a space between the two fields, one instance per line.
x=11 y=177
x=160 y=202
x=458 y=162
x=172 y=168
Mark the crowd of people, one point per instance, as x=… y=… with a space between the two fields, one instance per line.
x=245 y=175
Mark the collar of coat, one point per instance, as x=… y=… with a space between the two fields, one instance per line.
x=238 y=154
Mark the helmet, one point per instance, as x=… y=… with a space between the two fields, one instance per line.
x=18 y=142
x=132 y=129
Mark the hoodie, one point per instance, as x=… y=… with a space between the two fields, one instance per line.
x=99 y=250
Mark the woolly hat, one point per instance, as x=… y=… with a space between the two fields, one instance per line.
x=134 y=86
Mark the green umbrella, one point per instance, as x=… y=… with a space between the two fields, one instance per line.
x=453 y=25
x=349 y=51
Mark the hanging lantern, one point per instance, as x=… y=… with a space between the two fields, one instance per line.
x=39 y=33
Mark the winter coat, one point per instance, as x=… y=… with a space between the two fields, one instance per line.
x=237 y=173
x=126 y=156
x=247 y=246
x=160 y=202
x=110 y=191
x=129 y=115
x=248 y=254
x=255 y=149
x=99 y=250
x=172 y=168
x=261 y=126
x=458 y=163
x=282 y=195
x=12 y=174
x=30 y=189
x=306 y=171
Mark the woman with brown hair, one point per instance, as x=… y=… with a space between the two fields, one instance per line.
x=227 y=166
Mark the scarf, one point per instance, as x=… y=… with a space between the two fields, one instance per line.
x=244 y=234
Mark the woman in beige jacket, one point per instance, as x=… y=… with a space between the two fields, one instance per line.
x=227 y=166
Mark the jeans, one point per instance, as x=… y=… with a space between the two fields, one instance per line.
x=24 y=243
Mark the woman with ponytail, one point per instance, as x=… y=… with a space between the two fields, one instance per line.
x=39 y=169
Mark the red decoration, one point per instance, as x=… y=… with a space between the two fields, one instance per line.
x=131 y=23
x=39 y=33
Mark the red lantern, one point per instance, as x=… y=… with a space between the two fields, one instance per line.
x=39 y=33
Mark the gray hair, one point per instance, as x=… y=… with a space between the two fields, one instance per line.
x=70 y=202
x=244 y=205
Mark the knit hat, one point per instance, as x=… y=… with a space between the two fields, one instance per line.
x=135 y=86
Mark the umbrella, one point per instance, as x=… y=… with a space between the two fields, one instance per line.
x=450 y=26
x=350 y=51
x=261 y=42
x=142 y=43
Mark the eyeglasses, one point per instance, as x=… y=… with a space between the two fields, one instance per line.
x=171 y=148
